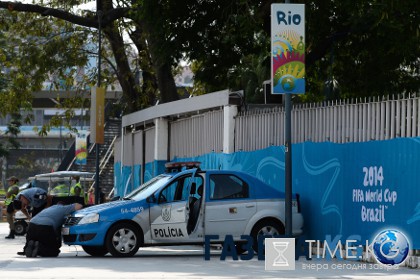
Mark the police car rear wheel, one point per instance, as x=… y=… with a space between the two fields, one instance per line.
x=95 y=251
x=122 y=240
x=265 y=228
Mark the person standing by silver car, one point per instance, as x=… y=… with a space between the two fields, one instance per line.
x=11 y=193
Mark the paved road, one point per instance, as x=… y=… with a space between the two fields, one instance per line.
x=171 y=263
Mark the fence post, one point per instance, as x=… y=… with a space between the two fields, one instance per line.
x=161 y=152
x=229 y=114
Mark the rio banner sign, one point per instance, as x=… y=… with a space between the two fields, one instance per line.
x=81 y=147
x=288 y=48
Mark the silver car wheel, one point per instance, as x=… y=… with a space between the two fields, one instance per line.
x=124 y=240
x=268 y=230
x=264 y=229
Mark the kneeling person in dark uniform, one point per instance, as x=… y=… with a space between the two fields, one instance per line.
x=44 y=231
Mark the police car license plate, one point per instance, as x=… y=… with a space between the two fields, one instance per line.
x=65 y=231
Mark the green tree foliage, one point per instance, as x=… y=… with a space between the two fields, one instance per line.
x=11 y=133
x=353 y=48
x=27 y=165
x=367 y=47
x=39 y=50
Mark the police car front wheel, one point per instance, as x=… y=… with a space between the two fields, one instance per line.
x=123 y=240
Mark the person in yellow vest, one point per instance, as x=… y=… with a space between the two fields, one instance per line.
x=60 y=190
x=11 y=193
x=77 y=189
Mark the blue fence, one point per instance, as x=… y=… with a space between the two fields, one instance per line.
x=346 y=189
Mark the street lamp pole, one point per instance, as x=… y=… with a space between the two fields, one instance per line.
x=288 y=160
x=61 y=140
x=99 y=14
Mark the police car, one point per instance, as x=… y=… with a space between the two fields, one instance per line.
x=182 y=207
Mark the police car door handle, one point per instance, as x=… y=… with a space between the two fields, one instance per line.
x=180 y=210
x=249 y=205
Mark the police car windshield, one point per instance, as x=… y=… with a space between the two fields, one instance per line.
x=148 y=188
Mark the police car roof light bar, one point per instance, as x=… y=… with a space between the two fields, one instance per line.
x=172 y=167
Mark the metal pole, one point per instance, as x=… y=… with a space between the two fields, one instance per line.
x=81 y=128
x=288 y=163
x=288 y=160
x=61 y=140
x=99 y=14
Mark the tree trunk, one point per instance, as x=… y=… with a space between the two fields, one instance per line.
x=131 y=93
x=166 y=83
x=161 y=63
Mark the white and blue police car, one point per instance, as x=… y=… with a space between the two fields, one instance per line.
x=183 y=207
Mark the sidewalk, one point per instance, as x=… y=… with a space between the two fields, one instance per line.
x=186 y=262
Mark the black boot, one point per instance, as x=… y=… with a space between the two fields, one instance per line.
x=11 y=235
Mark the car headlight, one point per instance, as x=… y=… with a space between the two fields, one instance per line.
x=89 y=218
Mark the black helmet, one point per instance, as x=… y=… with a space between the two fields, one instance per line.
x=17 y=204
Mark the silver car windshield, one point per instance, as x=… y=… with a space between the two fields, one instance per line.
x=149 y=187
